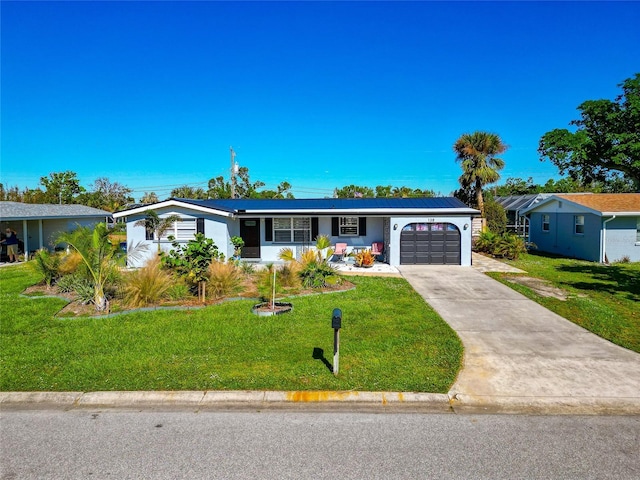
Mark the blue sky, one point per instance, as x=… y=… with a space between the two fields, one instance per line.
x=322 y=95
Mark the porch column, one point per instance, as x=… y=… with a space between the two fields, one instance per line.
x=40 y=234
x=25 y=235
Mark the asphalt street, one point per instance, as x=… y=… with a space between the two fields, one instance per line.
x=108 y=444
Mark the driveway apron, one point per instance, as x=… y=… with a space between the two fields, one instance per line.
x=519 y=356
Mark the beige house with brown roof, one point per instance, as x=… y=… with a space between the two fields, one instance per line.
x=601 y=227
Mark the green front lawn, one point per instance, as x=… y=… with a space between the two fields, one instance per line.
x=604 y=299
x=391 y=340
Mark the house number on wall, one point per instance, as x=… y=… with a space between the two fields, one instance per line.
x=431 y=220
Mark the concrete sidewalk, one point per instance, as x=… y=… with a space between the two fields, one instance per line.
x=519 y=356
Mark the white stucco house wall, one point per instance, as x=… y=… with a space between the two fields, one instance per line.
x=413 y=230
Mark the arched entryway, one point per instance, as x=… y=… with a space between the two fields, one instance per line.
x=430 y=244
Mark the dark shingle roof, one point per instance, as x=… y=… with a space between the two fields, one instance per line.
x=35 y=211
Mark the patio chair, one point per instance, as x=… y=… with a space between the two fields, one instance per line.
x=340 y=250
x=377 y=249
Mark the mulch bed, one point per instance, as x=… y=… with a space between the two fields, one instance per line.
x=74 y=308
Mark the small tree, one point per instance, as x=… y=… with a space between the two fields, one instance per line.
x=192 y=261
x=100 y=256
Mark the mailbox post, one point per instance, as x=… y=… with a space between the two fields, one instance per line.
x=336 y=323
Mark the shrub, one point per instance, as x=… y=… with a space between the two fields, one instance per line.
x=77 y=284
x=496 y=216
x=507 y=245
x=192 y=260
x=313 y=267
x=623 y=259
x=290 y=276
x=318 y=275
x=485 y=242
x=47 y=264
x=178 y=291
x=247 y=267
x=224 y=279
x=147 y=285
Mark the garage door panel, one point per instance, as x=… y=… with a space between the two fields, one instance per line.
x=438 y=246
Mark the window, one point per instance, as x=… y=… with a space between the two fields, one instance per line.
x=545 y=223
x=638 y=231
x=184 y=229
x=288 y=230
x=578 y=224
x=348 y=226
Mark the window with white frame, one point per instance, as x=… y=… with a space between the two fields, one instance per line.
x=545 y=222
x=183 y=229
x=578 y=224
x=348 y=226
x=292 y=230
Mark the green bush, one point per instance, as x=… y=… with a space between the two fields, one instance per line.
x=507 y=245
x=313 y=267
x=178 y=291
x=70 y=283
x=48 y=265
x=192 y=260
x=496 y=216
x=318 y=275
x=485 y=242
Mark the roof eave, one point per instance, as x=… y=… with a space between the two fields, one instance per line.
x=363 y=211
x=172 y=203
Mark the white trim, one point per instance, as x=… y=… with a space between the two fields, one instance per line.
x=344 y=212
x=171 y=203
x=576 y=206
x=603 y=247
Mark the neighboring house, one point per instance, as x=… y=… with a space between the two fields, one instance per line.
x=601 y=227
x=413 y=230
x=514 y=205
x=37 y=225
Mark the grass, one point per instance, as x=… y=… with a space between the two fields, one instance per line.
x=391 y=340
x=604 y=299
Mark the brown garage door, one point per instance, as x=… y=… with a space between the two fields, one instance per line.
x=430 y=244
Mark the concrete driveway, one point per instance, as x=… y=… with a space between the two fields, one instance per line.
x=520 y=356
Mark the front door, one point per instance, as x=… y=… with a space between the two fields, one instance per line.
x=250 y=233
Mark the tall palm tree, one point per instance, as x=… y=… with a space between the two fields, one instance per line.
x=476 y=153
x=155 y=225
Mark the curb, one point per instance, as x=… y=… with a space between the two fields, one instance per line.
x=474 y=404
x=410 y=402
x=212 y=400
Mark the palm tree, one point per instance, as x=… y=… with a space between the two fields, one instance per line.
x=156 y=226
x=477 y=154
x=100 y=256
